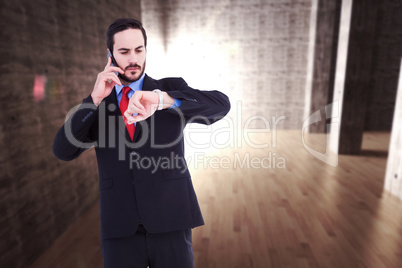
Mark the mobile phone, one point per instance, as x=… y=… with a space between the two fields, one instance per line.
x=109 y=55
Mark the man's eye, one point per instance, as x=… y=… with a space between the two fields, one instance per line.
x=125 y=52
x=139 y=51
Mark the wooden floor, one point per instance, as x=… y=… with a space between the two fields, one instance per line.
x=303 y=214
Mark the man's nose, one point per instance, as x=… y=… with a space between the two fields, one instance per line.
x=133 y=58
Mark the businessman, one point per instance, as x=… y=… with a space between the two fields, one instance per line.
x=147 y=200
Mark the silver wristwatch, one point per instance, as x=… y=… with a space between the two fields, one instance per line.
x=160 y=106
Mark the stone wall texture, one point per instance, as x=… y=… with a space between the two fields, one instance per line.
x=254 y=51
x=50 y=54
x=386 y=58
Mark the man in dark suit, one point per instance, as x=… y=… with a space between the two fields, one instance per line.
x=148 y=203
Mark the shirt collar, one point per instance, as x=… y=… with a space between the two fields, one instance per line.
x=136 y=85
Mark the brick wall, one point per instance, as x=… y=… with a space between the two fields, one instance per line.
x=50 y=54
x=254 y=51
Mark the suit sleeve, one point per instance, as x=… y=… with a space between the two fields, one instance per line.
x=76 y=135
x=205 y=107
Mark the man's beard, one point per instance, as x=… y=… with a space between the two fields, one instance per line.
x=128 y=80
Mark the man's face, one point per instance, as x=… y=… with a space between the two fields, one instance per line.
x=130 y=53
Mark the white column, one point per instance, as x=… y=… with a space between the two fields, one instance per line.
x=393 y=177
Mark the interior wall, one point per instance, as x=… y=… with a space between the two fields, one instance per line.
x=254 y=51
x=385 y=66
x=50 y=54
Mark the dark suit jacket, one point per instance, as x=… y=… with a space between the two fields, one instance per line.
x=134 y=187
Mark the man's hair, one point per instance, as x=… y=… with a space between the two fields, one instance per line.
x=121 y=25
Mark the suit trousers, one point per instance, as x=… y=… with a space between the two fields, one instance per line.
x=153 y=250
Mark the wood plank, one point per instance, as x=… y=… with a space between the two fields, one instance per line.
x=306 y=215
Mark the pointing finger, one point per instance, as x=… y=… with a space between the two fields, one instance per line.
x=128 y=116
x=116 y=69
x=109 y=62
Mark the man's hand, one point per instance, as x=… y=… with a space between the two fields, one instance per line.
x=145 y=103
x=105 y=82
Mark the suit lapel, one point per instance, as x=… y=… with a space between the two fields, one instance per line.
x=149 y=83
x=138 y=130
